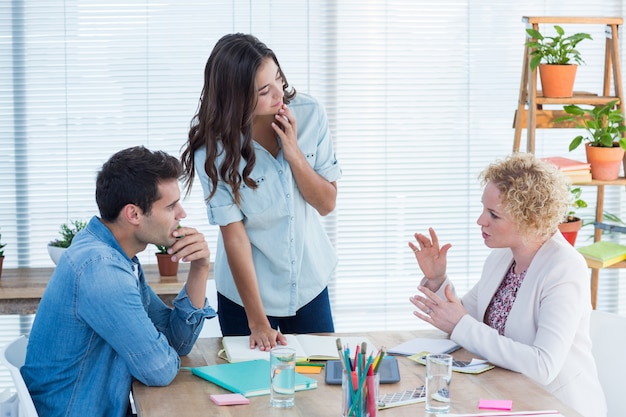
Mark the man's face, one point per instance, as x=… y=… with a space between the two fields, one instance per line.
x=158 y=226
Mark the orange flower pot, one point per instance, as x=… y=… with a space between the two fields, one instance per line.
x=557 y=80
x=167 y=268
x=605 y=162
x=570 y=229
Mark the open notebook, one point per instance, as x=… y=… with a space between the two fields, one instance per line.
x=308 y=347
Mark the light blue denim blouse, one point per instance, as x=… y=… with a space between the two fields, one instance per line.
x=98 y=326
x=292 y=255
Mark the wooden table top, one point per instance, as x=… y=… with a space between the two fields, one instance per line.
x=188 y=395
x=21 y=289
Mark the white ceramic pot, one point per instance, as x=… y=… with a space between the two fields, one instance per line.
x=55 y=253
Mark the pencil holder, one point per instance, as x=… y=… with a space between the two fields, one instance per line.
x=359 y=395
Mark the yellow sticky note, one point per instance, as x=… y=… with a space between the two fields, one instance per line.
x=308 y=369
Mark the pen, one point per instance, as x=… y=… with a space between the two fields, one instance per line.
x=340 y=352
x=379 y=358
x=363 y=352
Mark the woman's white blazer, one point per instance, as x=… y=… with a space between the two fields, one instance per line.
x=547 y=331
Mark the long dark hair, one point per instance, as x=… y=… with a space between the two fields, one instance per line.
x=225 y=112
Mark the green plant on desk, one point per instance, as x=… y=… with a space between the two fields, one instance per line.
x=161 y=248
x=2 y=245
x=68 y=232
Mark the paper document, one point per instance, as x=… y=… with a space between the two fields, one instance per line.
x=420 y=345
x=475 y=366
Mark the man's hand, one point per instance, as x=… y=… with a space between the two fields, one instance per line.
x=190 y=246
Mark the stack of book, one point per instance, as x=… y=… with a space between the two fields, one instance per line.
x=603 y=254
x=577 y=171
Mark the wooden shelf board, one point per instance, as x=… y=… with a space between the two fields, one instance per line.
x=618 y=265
x=544 y=119
x=573 y=19
x=619 y=181
x=588 y=98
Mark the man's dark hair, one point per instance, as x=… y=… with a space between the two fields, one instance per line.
x=132 y=176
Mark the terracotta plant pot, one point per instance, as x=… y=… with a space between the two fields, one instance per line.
x=557 y=80
x=570 y=229
x=605 y=162
x=167 y=268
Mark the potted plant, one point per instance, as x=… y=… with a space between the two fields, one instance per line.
x=56 y=247
x=167 y=267
x=605 y=137
x=572 y=224
x=2 y=245
x=557 y=72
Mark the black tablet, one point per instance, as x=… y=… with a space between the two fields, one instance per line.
x=388 y=371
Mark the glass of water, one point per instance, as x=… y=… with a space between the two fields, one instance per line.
x=282 y=377
x=438 y=377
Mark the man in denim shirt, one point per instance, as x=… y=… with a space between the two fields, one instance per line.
x=99 y=324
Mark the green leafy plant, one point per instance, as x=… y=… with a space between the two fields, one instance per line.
x=161 y=248
x=2 y=245
x=68 y=232
x=576 y=203
x=604 y=125
x=556 y=50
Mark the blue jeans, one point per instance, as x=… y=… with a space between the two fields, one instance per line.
x=315 y=317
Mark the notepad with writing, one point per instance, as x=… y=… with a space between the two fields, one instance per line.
x=603 y=253
x=308 y=347
x=249 y=378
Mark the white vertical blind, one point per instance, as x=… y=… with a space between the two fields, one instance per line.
x=420 y=97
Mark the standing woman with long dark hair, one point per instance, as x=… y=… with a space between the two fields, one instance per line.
x=265 y=160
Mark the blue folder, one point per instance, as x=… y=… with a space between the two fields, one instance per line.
x=249 y=378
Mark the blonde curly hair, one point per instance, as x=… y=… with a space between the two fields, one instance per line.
x=534 y=193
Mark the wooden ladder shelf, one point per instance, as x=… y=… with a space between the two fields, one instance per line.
x=531 y=115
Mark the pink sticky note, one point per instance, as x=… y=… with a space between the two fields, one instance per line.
x=495 y=404
x=229 y=399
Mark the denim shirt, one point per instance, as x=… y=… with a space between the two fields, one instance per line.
x=292 y=254
x=98 y=326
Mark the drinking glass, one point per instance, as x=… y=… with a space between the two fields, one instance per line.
x=282 y=377
x=438 y=377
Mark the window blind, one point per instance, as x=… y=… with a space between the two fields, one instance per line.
x=420 y=98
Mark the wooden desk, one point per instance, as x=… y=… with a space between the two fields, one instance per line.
x=21 y=289
x=188 y=395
